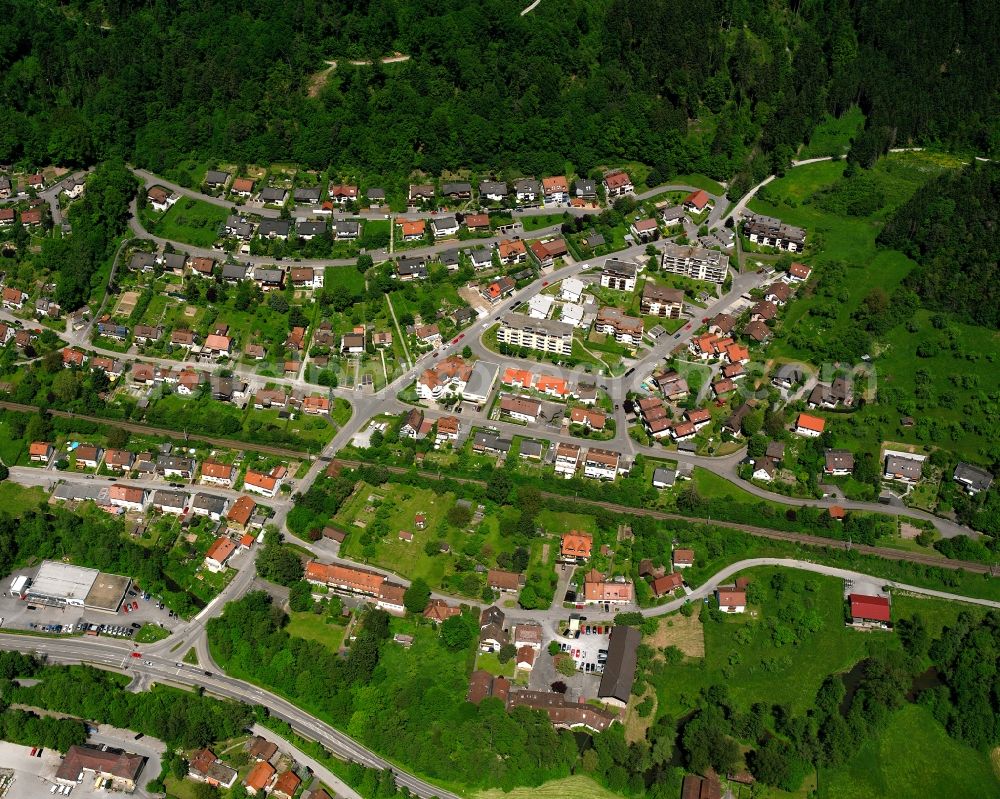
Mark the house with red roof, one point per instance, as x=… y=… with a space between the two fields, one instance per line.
x=809 y=426
x=869 y=611
x=697 y=201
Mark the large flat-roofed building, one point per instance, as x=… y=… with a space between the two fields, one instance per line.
x=546 y=335
x=696 y=263
x=65 y=584
x=122 y=768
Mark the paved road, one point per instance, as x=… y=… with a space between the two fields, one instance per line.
x=116 y=656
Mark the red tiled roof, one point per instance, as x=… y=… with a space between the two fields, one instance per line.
x=875 y=608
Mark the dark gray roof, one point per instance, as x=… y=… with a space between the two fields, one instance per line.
x=234 y=271
x=264 y=275
x=664 y=476
x=450 y=257
x=170 y=499
x=273 y=195
x=480 y=256
x=492 y=187
x=274 y=227
x=975 y=478
x=615 y=267
x=174 y=260
x=375 y=194
x=411 y=266
x=527 y=185
x=619 y=671
x=444 y=223
x=585 y=188
x=141 y=260
x=531 y=448
x=463 y=315
x=348 y=227
x=164 y=462
x=210 y=502
x=487 y=439
x=673 y=213
x=458 y=187
x=310 y=228
x=595 y=240
x=238 y=227
x=215 y=177
x=307 y=194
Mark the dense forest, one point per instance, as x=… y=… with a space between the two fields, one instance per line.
x=731 y=87
x=950 y=229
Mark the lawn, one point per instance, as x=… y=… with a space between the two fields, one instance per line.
x=559 y=522
x=191 y=221
x=150 y=634
x=17 y=499
x=699 y=182
x=314 y=627
x=913 y=758
x=540 y=221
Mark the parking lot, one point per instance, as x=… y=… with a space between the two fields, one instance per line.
x=584 y=650
x=20 y=614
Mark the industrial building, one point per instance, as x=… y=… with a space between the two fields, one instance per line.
x=65 y=584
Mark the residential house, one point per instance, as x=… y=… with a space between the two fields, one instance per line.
x=118 y=460
x=567 y=459
x=216 y=179
x=219 y=553
x=241 y=512
x=346 y=230
x=266 y=485
x=40 y=452
x=216 y=473
x=512 y=252
x=286 y=785
x=376 y=197
x=666 y=584
x=758 y=331
x=242 y=187
x=352 y=343
x=411 y=269
x=661 y=301
x=428 y=334
x=492 y=191
x=72 y=357
x=528 y=634
x=797 y=273
x=787 y=376
x=420 y=193
x=527 y=190
x=31 y=217
x=145 y=334
x=444 y=226
x=274 y=228
x=13 y=299
x=308 y=230
x=202 y=266
x=602 y=464
x=722 y=324
x=809 y=426
x=585 y=189
x=571 y=289
x=673 y=216
x=488 y=442
x=619 y=275
x=238 y=228
x=234 y=273
x=664 y=478
x=697 y=201
x=598 y=589
x=530 y=449
x=412 y=425
x=618 y=184
x=644 y=230
x=499 y=289
x=438 y=610
x=341 y=194
x=411 y=229
x=555 y=189
x=576 y=547
x=160 y=199
x=307 y=195
x=770 y=232
x=111 y=767
x=504 y=581
x=683 y=558
x=456 y=191
x=204 y=766
x=778 y=293
x=520 y=409
x=88 y=456
x=316 y=405
x=731 y=599
x=259 y=778
x=130 y=498
x=269 y=279
x=175 y=466
x=903 y=467
x=592 y=420
x=837 y=393
x=272 y=195
x=109 y=328
x=477 y=222
x=972 y=478
x=173 y=502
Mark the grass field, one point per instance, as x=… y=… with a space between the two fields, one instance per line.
x=912 y=759
x=742 y=650
x=578 y=787
x=191 y=221
x=832 y=136
x=699 y=182
x=150 y=633
x=16 y=499
x=314 y=628
x=559 y=522
x=540 y=221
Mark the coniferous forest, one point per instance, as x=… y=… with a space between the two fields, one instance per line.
x=728 y=88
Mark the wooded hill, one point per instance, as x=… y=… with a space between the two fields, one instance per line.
x=727 y=88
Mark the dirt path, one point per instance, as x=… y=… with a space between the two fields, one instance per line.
x=319 y=79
